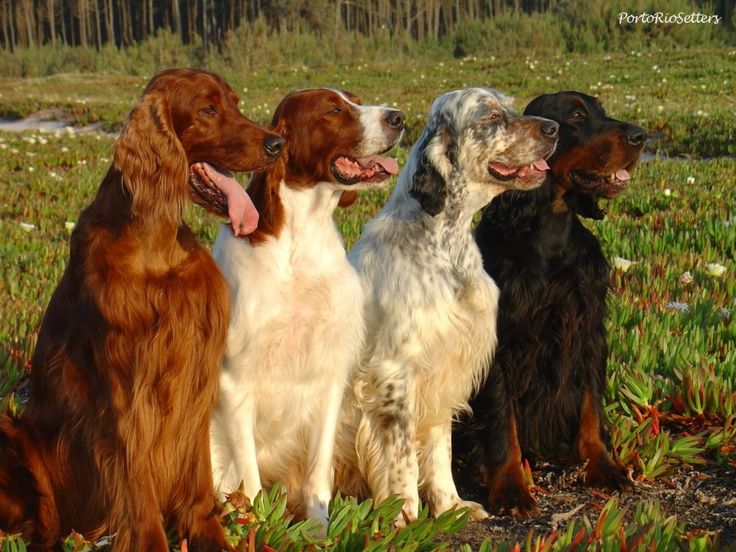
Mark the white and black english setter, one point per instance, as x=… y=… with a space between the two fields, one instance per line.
x=430 y=307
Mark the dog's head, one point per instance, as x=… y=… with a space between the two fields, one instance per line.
x=187 y=128
x=595 y=153
x=474 y=147
x=332 y=141
x=332 y=138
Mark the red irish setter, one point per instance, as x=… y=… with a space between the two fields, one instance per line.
x=125 y=373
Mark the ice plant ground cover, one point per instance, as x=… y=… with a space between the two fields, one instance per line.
x=671 y=238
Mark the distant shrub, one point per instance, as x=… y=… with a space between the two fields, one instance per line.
x=508 y=34
x=574 y=26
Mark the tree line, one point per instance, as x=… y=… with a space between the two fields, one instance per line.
x=96 y=23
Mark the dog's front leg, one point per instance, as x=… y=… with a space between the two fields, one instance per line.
x=387 y=436
x=233 y=444
x=134 y=514
x=319 y=475
x=436 y=471
x=600 y=469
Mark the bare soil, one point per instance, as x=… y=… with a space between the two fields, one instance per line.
x=702 y=498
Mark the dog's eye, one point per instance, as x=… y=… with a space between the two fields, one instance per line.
x=493 y=118
x=578 y=115
x=335 y=110
x=210 y=111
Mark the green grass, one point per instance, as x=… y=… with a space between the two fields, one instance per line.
x=671 y=393
x=683 y=97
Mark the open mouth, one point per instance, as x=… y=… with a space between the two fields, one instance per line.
x=505 y=173
x=218 y=190
x=372 y=169
x=605 y=185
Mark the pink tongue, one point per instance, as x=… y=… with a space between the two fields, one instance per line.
x=540 y=165
x=242 y=212
x=389 y=165
x=622 y=174
x=502 y=169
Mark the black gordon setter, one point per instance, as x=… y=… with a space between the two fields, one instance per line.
x=544 y=388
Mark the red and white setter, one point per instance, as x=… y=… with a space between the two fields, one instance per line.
x=124 y=376
x=297 y=318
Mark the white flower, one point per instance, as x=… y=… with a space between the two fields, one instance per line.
x=715 y=269
x=724 y=312
x=69 y=225
x=691 y=180
x=667 y=192
x=680 y=307
x=64 y=149
x=622 y=264
x=27 y=226
x=686 y=278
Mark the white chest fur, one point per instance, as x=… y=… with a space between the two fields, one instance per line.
x=435 y=312
x=296 y=331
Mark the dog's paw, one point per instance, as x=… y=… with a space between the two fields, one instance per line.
x=477 y=512
x=512 y=498
x=409 y=513
x=319 y=510
x=604 y=473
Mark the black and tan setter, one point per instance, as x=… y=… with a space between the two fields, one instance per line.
x=544 y=387
x=115 y=439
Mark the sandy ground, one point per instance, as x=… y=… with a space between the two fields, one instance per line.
x=703 y=498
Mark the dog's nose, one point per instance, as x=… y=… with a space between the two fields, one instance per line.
x=273 y=145
x=550 y=128
x=395 y=119
x=636 y=136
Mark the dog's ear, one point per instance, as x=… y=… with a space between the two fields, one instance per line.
x=152 y=160
x=428 y=183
